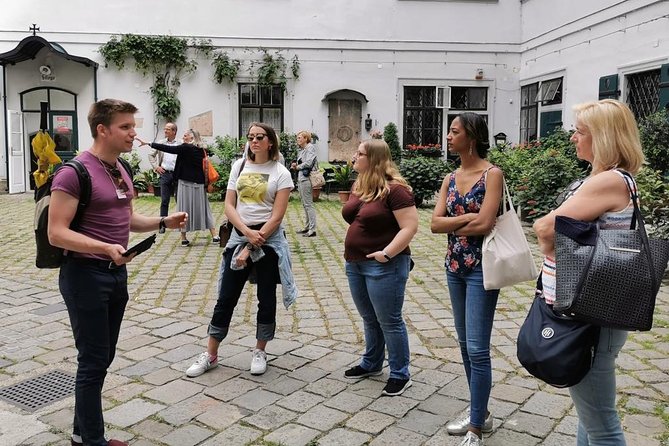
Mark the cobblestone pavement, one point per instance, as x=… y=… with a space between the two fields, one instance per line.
x=303 y=398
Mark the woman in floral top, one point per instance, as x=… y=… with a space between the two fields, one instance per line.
x=467 y=211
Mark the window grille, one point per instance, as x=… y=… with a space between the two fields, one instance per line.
x=422 y=120
x=643 y=93
x=469 y=98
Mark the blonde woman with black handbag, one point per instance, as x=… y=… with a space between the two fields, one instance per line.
x=607 y=137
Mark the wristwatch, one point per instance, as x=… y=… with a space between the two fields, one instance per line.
x=386 y=256
x=162 y=225
x=251 y=247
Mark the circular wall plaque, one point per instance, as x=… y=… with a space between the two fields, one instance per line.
x=345 y=133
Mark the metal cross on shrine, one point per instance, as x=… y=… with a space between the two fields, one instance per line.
x=34 y=29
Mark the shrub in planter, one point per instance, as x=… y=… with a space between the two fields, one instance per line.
x=654 y=132
x=393 y=141
x=425 y=176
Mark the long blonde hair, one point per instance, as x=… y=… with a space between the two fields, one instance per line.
x=373 y=183
x=615 y=135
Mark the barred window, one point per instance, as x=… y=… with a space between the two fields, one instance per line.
x=643 y=93
x=422 y=119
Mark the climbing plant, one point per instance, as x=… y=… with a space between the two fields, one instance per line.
x=164 y=58
x=271 y=68
x=225 y=67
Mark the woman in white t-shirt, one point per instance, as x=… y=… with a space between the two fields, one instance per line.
x=255 y=204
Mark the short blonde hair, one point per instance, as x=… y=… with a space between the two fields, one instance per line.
x=615 y=135
x=307 y=135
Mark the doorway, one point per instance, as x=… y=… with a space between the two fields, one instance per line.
x=344 y=122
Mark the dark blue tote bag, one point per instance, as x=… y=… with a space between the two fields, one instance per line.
x=556 y=349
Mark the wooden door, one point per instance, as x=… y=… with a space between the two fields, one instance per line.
x=344 y=119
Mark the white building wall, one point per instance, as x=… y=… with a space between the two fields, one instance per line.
x=587 y=40
x=374 y=47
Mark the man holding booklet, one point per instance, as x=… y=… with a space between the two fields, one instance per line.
x=93 y=277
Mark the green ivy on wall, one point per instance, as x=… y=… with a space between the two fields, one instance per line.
x=164 y=58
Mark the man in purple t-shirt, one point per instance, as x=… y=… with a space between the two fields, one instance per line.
x=93 y=278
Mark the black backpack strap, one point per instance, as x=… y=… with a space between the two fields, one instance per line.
x=126 y=166
x=84 y=189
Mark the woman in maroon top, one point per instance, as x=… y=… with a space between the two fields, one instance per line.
x=383 y=219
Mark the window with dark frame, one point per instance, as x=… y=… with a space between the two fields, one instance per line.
x=422 y=119
x=469 y=98
x=550 y=92
x=260 y=104
x=643 y=93
x=528 y=112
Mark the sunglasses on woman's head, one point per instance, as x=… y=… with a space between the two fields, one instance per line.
x=258 y=137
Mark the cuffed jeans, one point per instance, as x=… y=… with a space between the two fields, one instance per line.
x=378 y=293
x=473 y=313
x=595 y=396
x=230 y=286
x=95 y=297
x=167 y=187
x=304 y=187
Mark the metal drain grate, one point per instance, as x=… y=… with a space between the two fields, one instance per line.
x=40 y=391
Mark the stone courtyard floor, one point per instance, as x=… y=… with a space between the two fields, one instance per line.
x=303 y=398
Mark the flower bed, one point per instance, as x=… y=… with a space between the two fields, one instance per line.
x=429 y=150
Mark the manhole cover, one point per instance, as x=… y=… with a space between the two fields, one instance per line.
x=40 y=391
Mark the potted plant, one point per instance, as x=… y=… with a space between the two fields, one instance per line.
x=344 y=175
x=152 y=180
x=139 y=184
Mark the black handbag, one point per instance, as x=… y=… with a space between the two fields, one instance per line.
x=609 y=277
x=556 y=349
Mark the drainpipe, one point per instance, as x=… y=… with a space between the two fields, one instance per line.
x=4 y=106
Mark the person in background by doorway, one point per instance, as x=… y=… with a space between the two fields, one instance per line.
x=164 y=164
x=306 y=162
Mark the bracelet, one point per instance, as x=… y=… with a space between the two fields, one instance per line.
x=161 y=224
x=386 y=255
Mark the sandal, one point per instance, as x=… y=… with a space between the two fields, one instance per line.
x=185 y=243
x=216 y=239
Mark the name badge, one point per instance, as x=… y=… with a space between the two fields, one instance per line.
x=120 y=194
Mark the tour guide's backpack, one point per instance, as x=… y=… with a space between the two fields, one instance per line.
x=49 y=256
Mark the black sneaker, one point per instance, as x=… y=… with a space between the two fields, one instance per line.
x=358 y=372
x=396 y=386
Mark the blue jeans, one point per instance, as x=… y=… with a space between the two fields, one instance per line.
x=473 y=313
x=95 y=297
x=595 y=396
x=167 y=188
x=378 y=293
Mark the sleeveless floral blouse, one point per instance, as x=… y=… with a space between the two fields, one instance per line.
x=464 y=252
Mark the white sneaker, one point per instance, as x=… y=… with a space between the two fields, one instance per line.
x=202 y=364
x=259 y=362
x=471 y=439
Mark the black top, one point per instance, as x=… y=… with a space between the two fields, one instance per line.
x=189 y=161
